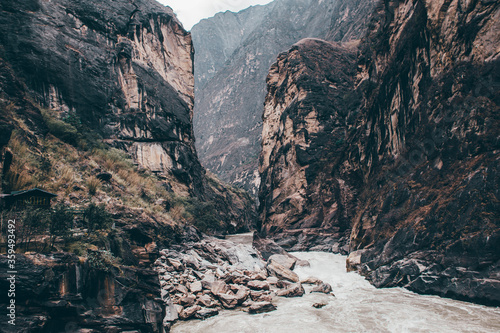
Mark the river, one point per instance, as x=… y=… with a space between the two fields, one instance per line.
x=356 y=307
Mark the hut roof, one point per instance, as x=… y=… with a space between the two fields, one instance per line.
x=33 y=191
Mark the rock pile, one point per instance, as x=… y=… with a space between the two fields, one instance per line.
x=200 y=279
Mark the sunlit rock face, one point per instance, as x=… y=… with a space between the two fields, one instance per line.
x=420 y=153
x=125 y=67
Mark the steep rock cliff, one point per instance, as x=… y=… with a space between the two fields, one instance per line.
x=216 y=39
x=421 y=146
x=125 y=70
x=227 y=116
x=427 y=143
x=306 y=196
x=58 y=293
x=125 y=67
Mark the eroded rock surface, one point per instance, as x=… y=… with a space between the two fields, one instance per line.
x=307 y=194
x=58 y=292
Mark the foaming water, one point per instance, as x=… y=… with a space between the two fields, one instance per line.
x=356 y=307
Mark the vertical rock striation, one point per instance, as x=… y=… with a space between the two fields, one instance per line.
x=428 y=147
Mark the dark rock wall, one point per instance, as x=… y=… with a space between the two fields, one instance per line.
x=57 y=293
x=428 y=145
x=306 y=195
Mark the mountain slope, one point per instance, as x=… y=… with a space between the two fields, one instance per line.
x=96 y=106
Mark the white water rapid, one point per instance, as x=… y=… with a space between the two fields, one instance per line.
x=357 y=307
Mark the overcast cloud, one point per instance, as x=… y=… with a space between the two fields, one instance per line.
x=191 y=12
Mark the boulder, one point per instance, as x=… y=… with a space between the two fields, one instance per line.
x=283 y=284
x=260 y=296
x=258 y=285
x=259 y=275
x=272 y=280
x=303 y=263
x=293 y=290
x=205 y=313
x=171 y=313
x=260 y=307
x=311 y=280
x=181 y=289
x=188 y=300
x=324 y=288
x=238 y=277
x=176 y=264
x=228 y=301
x=284 y=260
x=242 y=294
x=195 y=287
x=319 y=305
x=219 y=287
x=280 y=271
x=206 y=301
x=207 y=280
x=189 y=312
x=248 y=302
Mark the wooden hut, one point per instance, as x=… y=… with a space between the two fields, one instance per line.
x=34 y=197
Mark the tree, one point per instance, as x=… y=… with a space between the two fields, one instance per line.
x=61 y=220
x=34 y=222
x=96 y=217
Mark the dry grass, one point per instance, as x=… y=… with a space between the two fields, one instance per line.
x=19 y=181
x=177 y=213
x=93 y=185
x=66 y=174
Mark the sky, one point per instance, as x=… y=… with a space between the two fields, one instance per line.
x=190 y=12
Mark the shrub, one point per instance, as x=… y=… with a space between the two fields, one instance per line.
x=15 y=181
x=93 y=184
x=34 y=222
x=102 y=260
x=67 y=175
x=96 y=217
x=200 y=214
x=62 y=130
x=61 y=220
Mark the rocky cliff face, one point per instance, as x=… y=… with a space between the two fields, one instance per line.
x=218 y=37
x=428 y=145
x=231 y=66
x=417 y=173
x=58 y=293
x=125 y=69
x=306 y=199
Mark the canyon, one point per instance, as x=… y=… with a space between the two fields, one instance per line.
x=365 y=128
